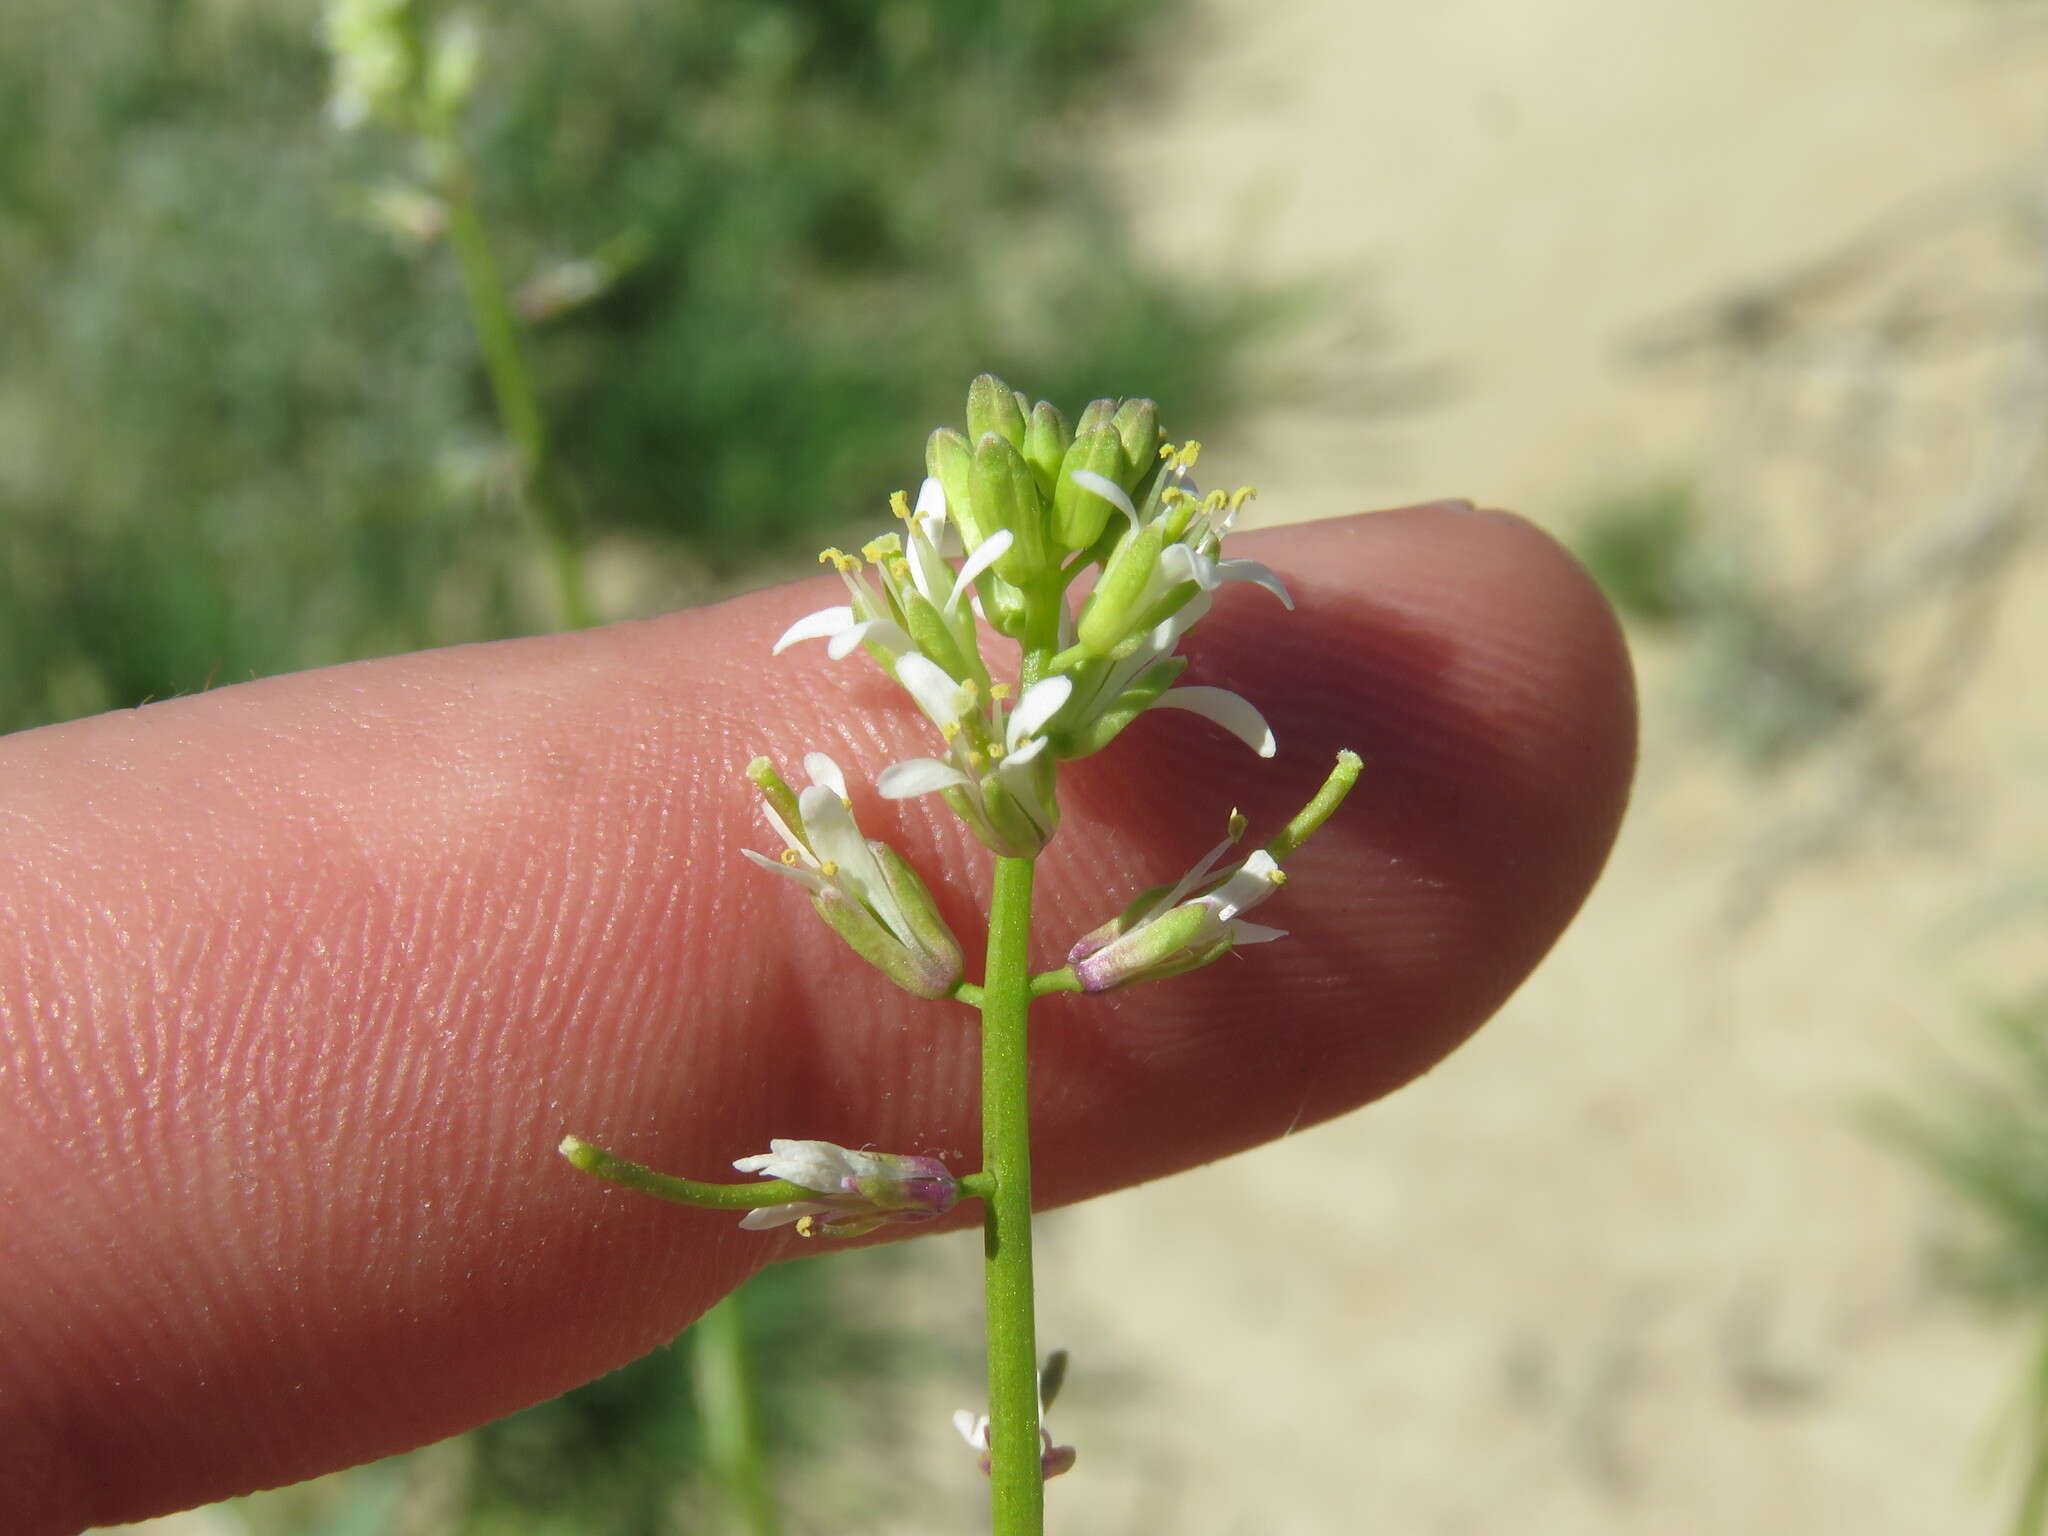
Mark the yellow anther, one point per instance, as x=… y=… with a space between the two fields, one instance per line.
x=1173 y=496
x=1189 y=452
x=950 y=730
x=999 y=690
x=875 y=550
x=995 y=752
x=970 y=693
x=1241 y=495
x=791 y=856
x=899 y=505
x=807 y=1226
x=899 y=568
x=840 y=560
x=1215 y=502
x=828 y=869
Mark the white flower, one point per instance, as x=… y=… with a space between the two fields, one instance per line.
x=1166 y=932
x=1052 y=1459
x=861 y=1190
x=865 y=889
x=999 y=765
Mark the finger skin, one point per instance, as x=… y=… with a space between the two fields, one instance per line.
x=301 y=981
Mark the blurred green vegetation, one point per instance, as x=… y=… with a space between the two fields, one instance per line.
x=243 y=424
x=1765 y=681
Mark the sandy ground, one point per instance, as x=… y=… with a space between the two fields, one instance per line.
x=1627 y=1263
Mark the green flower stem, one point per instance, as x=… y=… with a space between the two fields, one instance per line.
x=1061 y=980
x=512 y=391
x=723 y=1380
x=1018 y=1489
x=1318 y=810
x=601 y=1164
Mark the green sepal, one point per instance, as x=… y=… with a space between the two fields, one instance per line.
x=949 y=459
x=1079 y=515
x=1162 y=608
x=1002 y=604
x=867 y=936
x=1113 y=605
x=937 y=639
x=992 y=406
x=1006 y=496
x=944 y=964
x=1046 y=437
x=1128 y=705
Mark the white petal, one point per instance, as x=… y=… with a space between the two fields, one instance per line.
x=973 y=1428
x=816 y=1165
x=884 y=632
x=1257 y=574
x=936 y=692
x=1252 y=933
x=1042 y=700
x=1108 y=490
x=1021 y=758
x=931 y=498
x=826 y=772
x=1251 y=883
x=763 y=1217
x=807 y=878
x=986 y=553
x=836 y=838
x=814 y=626
x=918 y=776
x=785 y=831
x=1228 y=710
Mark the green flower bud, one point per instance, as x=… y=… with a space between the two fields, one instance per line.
x=1046 y=437
x=949 y=459
x=933 y=965
x=1137 y=423
x=1078 y=514
x=992 y=406
x=1099 y=414
x=1119 y=596
x=1006 y=496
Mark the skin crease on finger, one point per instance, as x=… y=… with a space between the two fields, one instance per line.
x=302 y=980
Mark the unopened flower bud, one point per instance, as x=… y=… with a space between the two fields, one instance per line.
x=992 y=406
x=949 y=459
x=1006 y=496
x=1046 y=437
x=1079 y=514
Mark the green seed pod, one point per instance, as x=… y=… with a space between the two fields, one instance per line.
x=992 y=406
x=1078 y=514
x=1046 y=437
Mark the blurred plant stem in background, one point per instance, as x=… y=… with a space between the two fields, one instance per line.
x=519 y=409
x=723 y=1374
